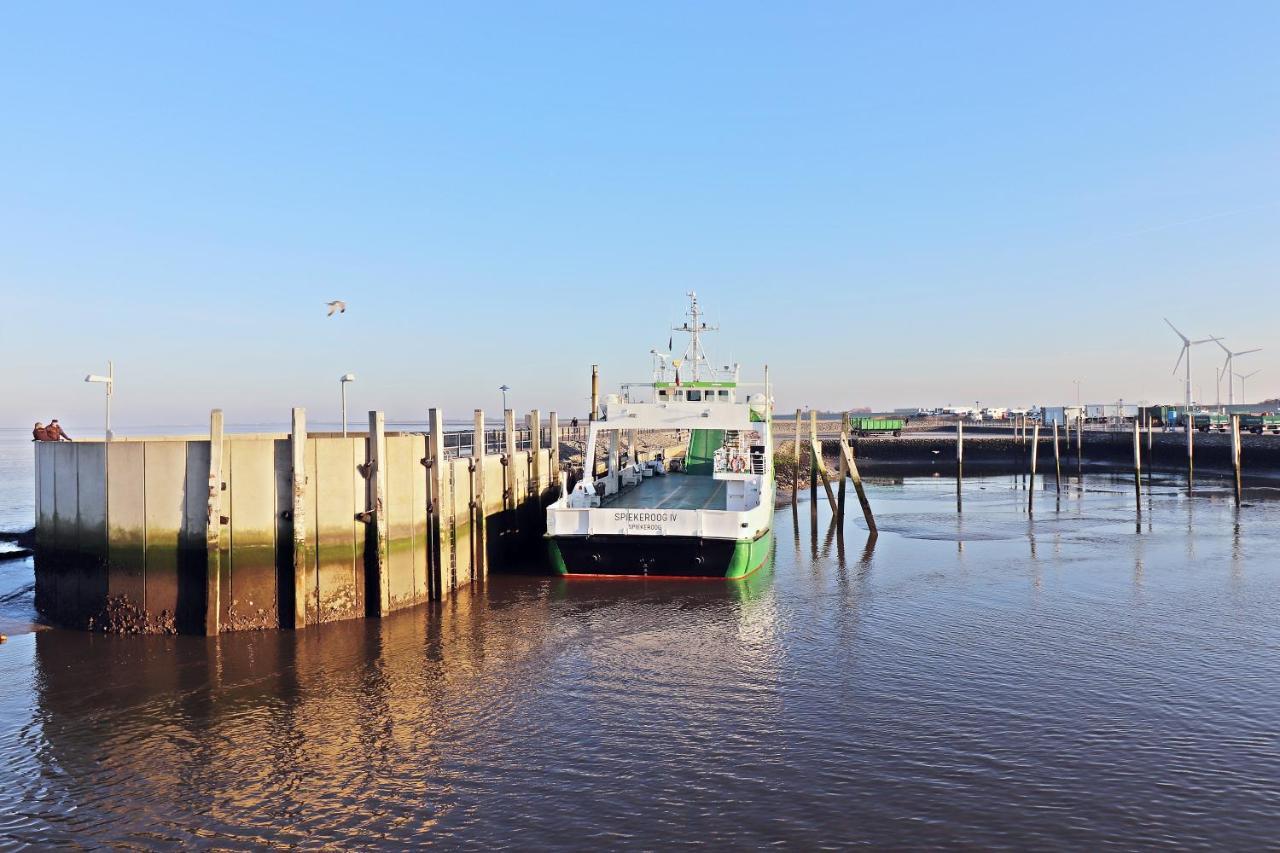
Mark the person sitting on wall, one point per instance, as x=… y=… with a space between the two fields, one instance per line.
x=55 y=431
x=39 y=433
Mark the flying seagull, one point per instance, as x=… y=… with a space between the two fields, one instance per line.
x=337 y=306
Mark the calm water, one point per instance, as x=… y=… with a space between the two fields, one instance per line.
x=1062 y=680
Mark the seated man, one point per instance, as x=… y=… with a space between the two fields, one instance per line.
x=39 y=433
x=55 y=431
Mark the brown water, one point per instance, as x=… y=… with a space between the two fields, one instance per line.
x=993 y=679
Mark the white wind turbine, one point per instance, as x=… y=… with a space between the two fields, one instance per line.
x=1187 y=344
x=1242 y=377
x=1228 y=368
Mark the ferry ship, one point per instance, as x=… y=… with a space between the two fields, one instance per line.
x=704 y=513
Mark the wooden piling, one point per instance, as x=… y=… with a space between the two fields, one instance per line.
x=844 y=470
x=795 y=481
x=1057 y=459
x=1191 y=448
x=479 y=558
x=1235 y=455
x=213 y=530
x=378 y=516
x=959 y=462
x=435 y=503
x=852 y=467
x=816 y=449
x=298 y=515
x=1079 y=444
x=1035 y=453
x=814 y=461
x=1137 y=463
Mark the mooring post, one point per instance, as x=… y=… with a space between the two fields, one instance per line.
x=555 y=448
x=852 y=467
x=435 y=500
x=509 y=463
x=595 y=396
x=844 y=469
x=298 y=515
x=1235 y=455
x=816 y=450
x=377 y=513
x=1035 y=452
x=213 y=531
x=813 y=467
x=1057 y=459
x=1191 y=449
x=1079 y=444
x=1137 y=464
x=535 y=455
x=795 y=479
x=479 y=559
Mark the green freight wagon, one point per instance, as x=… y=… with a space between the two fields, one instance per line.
x=1212 y=421
x=876 y=426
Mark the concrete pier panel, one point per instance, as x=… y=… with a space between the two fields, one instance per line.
x=164 y=488
x=127 y=527
x=249 y=582
x=338 y=538
x=403 y=561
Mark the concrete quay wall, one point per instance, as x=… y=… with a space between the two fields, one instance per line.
x=242 y=532
x=1260 y=454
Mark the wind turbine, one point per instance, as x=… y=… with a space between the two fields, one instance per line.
x=1228 y=372
x=1187 y=344
x=1243 y=377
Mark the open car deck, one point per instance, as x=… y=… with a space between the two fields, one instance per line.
x=673 y=491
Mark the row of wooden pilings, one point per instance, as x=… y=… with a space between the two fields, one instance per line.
x=1026 y=435
x=1140 y=425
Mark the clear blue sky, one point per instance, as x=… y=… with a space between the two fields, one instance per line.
x=892 y=203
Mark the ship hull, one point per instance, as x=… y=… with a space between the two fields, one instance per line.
x=658 y=556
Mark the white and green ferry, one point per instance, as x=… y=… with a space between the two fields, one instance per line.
x=707 y=513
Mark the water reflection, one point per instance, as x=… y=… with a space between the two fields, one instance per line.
x=903 y=689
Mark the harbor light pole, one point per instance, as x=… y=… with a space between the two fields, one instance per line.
x=110 y=382
x=504 y=389
x=342 y=383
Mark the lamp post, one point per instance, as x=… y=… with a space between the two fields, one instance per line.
x=110 y=382
x=342 y=383
x=504 y=389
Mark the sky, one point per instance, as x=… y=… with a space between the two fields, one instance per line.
x=890 y=204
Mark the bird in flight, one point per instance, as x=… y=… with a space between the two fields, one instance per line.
x=337 y=306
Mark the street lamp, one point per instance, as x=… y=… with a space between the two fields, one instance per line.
x=504 y=389
x=110 y=381
x=342 y=383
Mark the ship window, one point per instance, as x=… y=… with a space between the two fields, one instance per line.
x=694 y=396
x=662 y=393
x=724 y=393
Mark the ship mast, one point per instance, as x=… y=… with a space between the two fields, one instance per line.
x=694 y=354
